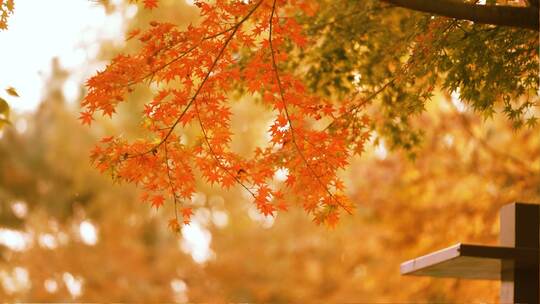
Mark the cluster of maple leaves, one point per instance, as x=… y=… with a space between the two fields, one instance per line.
x=6 y=9
x=237 y=44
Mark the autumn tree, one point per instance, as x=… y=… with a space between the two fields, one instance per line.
x=321 y=68
x=466 y=167
x=325 y=71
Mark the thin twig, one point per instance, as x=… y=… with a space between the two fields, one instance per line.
x=214 y=156
x=291 y=127
x=173 y=191
x=210 y=70
x=180 y=56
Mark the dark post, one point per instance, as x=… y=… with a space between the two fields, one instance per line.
x=520 y=228
x=516 y=262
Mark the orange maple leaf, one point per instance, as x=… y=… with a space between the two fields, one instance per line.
x=202 y=59
x=86 y=118
x=157 y=201
x=133 y=33
x=186 y=214
x=150 y=4
x=174 y=225
x=332 y=219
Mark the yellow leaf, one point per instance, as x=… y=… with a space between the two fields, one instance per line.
x=11 y=91
x=4 y=107
x=4 y=113
x=4 y=122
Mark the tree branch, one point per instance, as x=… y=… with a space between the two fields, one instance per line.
x=521 y=17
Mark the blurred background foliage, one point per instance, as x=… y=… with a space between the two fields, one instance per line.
x=68 y=233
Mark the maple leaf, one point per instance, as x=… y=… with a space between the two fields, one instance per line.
x=332 y=219
x=86 y=118
x=145 y=196
x=108 y=110
x=133 y=33
x=174 y=225
x=267 y=209
x=282 y=205
x=107 y=139
x=12 y=92
x=186 y=215
x=157 y=201
x=203 y=59
x=150 y=4
x=213 y=176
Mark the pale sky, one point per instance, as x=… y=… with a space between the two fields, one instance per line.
x=40 y=30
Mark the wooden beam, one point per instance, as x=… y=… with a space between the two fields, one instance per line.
x=471 y=262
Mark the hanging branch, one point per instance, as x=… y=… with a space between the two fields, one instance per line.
x=521 y=17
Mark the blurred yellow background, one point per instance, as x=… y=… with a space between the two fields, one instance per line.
x=68 y=233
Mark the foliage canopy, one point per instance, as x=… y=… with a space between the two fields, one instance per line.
x=330 y=72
